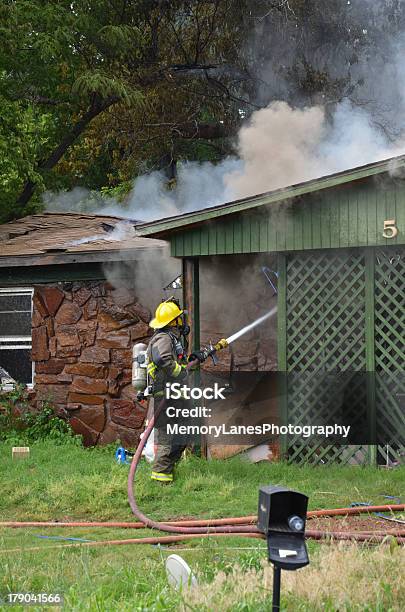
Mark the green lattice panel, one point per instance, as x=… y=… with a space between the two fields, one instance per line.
x=325 y=337
x=390 y=351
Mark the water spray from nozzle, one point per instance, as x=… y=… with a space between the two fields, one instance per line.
x=251 y=326
x=221 y=344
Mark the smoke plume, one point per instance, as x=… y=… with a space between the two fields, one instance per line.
x=283 y=146
x=152 y=271
x=279 y=146
x=198 y=185
x=285 y=143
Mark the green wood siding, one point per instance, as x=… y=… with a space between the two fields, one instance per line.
x=352 y=215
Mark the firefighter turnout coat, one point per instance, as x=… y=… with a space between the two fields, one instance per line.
x=167 y=362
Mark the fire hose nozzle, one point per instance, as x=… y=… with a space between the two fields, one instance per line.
x=213 y=349
x=223 y=343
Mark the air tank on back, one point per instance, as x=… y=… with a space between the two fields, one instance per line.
x=139 y=364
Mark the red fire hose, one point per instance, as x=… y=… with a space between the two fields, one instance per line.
x=238 y=525
x=170 y=528
x=241 y=520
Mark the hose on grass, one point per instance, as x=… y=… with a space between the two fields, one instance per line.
x=231 y=527
x=390 y=518
x=169 y=527
x=326 y=536
x=241 y=520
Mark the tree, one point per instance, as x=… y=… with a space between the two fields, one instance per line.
x=60 y=61
x=94 y=93
x=74 y=61
x=23 y=133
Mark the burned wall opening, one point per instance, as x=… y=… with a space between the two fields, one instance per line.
x=234 y=291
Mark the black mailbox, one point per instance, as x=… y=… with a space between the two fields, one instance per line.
x=282 y=516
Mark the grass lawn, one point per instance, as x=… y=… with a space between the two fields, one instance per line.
x=69 y=482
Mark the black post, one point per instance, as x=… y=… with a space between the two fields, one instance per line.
x=276 y=588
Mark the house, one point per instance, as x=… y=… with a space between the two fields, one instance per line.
x=330 y=253
x=70 y=312
x=337 y=247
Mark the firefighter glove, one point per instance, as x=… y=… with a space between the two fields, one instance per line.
x=200 y=356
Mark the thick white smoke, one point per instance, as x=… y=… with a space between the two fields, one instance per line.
x=278 y=147
x=283 y=146
x=198 y=185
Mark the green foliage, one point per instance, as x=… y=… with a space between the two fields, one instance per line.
x=120 y=192
x=20 y=425
x=10 y=417
x=24 y=134
x=97 y=83
x=45 y=425
x=61 y=65
x=120 y=38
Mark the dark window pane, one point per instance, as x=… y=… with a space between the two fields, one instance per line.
x=15 y=302
x=17 y=362
x=15 y=324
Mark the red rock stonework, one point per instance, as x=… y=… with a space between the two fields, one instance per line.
x=83 y=333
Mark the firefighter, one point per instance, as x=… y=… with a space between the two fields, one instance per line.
x=167 y=362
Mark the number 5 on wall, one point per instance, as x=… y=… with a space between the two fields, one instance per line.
x=390 y=229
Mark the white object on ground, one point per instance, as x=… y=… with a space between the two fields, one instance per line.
x=261 y=452
x=20 y=452
x=149 y=450
x=179 y=573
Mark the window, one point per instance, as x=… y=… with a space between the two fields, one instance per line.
x=15 y=336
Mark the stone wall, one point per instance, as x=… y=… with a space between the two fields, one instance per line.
x=82 y=339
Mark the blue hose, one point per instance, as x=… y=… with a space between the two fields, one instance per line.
x=44 y=537
x=380 y=514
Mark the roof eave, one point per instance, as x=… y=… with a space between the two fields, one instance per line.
x=49 y=259
x=162 y=226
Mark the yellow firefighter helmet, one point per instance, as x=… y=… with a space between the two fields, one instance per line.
x=165 y=313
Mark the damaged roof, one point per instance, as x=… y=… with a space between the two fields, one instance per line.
x=163 y=227
x=52 y=238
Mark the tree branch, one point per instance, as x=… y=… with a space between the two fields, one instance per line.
x=194 y=129
x=47 y=164
x=39 y=100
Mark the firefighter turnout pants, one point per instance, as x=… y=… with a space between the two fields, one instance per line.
x=168 y=451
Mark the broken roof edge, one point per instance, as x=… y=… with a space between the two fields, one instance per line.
x=99 y=256
x=90 y=215
x=160 y=226
x=57 y=238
